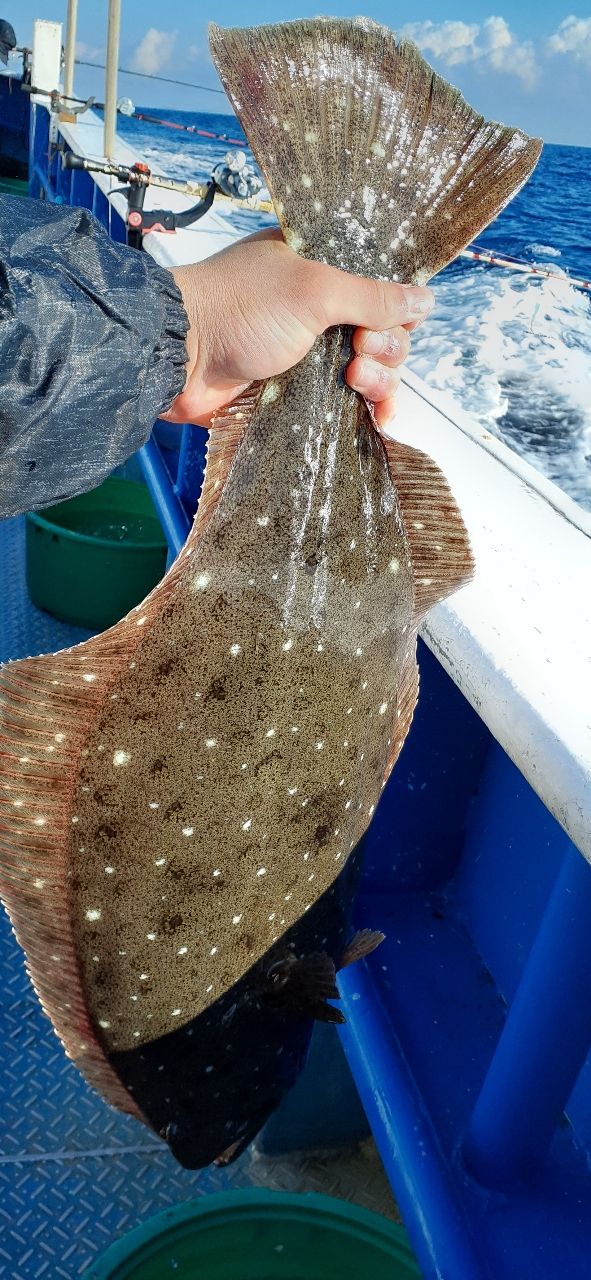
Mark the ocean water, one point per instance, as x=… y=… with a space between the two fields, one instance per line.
x=514 y=350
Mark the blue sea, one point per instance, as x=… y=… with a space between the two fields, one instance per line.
x=514 y=350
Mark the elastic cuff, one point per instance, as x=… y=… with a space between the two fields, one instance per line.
x=167 y=373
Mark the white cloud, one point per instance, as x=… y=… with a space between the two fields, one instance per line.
x=90 y=52
x=573 y=36
x=490 y=45
x=154 y=51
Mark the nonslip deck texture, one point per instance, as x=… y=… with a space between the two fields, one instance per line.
x=74 y=1174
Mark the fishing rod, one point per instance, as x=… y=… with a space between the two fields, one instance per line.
x=478 y=254
x=188 y=128
x=233 y=180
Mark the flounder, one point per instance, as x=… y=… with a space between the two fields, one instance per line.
x=179 y=793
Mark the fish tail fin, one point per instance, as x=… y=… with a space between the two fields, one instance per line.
x=375 y=163
x=42 y=734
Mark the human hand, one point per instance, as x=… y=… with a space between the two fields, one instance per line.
x=256 y=308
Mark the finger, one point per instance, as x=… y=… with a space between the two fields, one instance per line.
x=389 y=347
x=374 y=380
x=371 y=304
x=384 y=412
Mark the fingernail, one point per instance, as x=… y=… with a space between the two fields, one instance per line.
x=368 y=373
x=420 y=304
x=376 y=344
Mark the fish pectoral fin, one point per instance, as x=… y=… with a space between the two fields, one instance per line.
x=362 y=944
x=302 y=986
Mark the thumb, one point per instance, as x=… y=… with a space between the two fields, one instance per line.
x=372 y=304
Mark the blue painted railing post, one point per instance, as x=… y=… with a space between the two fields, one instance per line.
x=544 y=1042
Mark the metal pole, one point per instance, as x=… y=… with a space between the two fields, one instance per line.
x=114 y=22
x=544 y=1043
x=70 y=52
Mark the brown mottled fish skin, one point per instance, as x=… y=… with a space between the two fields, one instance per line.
x=182 y=789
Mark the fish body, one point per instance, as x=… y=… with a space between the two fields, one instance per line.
x=182 y=791
x=208 y=1087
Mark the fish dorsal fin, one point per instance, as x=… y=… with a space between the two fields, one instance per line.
x=48 y=704
x=227 y=432
x=375 y=163
x=41 y=737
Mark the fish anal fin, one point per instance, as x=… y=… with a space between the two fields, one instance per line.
x=441 y=556
x=362 y=944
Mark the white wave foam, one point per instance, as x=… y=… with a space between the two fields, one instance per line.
x=515 y=353
x=547 y=249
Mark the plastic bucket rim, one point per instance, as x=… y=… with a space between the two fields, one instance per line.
x=37 y=518
x=132 y=1248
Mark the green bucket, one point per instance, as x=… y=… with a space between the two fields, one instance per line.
x=92 y=558
x=260 y=1235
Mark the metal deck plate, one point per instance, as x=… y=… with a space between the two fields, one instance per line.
x=75 y=1174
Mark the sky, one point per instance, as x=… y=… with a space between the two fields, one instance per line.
x=527 y=62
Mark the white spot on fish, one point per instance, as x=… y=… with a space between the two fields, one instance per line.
x=247 y=825
x=213 y=951
x=383 y=708
x=211 y=742
x=121 y=758
x=425 y=582
x=358 y=652
x=377 y=150
x=144 y=977
x=109 y=871
x=40 y=822
x=93 y=913
x=270 y=733
x=295 y=728
x=352 y=544
x=235 y=649
x=319 y=746
x=263 y=521
x=38 y=883
x=89 y=676
x=176 y=1013
x=287 y=646
x=271 y=392
x=188 y=831
x=311 y=135
x=293 y=240
x=217 y=873
x=140 y=621
x=182 y=951
x=236 y=919
x=201 y=582
x=418 y=524
x=154 y=804
x=159 y=862
x=291 y=791
x=104 y=1023
x=262 y=871
x=317 y=206
x=18 y=804
x=383 y=257
x=151 y=937
x=306 y=180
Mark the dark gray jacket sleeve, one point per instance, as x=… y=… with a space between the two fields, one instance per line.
x=92 y=350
